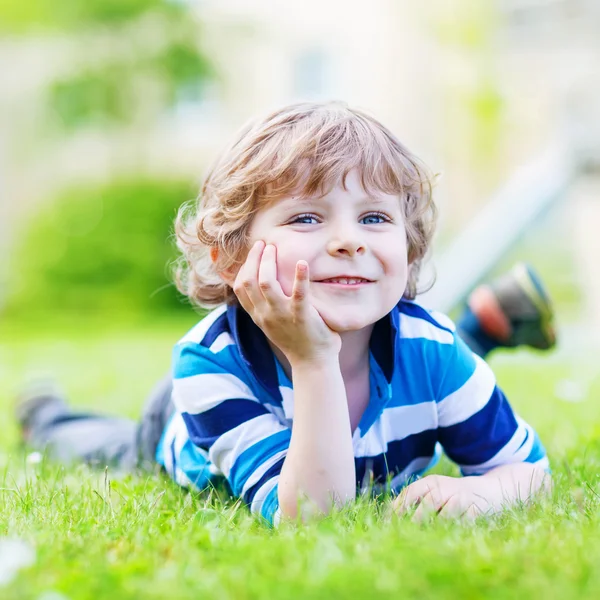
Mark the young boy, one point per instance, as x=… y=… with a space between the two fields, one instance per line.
x=316 y=374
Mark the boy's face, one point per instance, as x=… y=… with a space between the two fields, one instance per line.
x=355 y=246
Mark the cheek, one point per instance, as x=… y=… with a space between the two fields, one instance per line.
x=394 y=257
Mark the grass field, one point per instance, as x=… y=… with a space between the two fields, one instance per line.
x=102 y=535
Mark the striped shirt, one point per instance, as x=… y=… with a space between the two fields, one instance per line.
x=428 y=391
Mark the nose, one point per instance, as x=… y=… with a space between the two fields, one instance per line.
x=346 y=241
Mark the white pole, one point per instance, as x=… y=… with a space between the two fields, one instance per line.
x=507 y=215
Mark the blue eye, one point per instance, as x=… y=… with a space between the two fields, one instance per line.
x=374 y=219
x=306 y=219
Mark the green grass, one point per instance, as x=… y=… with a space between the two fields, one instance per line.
x=104 y=535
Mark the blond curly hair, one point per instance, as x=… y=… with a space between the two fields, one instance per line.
x=307 y=146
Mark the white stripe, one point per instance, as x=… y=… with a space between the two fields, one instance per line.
x=443 y=320
x=414 y=466
x=414 y=327
x=507 y=454
x=525 y=450
x=395 y=424
x=181 y=437
x=199 y=393
x=543 y=462
x=173 y=431
x=277 y=517
x=197 y=333
x=287 y=395
x=261 y=494
x=468 y=399
x=261 y=470
x=226 y=450
x=182 y=479
x=223 y=340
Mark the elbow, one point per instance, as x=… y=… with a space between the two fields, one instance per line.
x=537 y=477
x=525 y=480
x=288 y=506
x=540 y=479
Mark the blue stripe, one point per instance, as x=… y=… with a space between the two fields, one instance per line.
x=173 y=458
x=415 y=310
x=480 y=437
x=195 y=465
x=205 y=428
x=452 y=375
x=526 y=438
x=221 y=325
x=537 y=451
x=397 y=456
x=271 y=504
x=382 y=345
x=191 y=359
x=159 y=455
x=273 y=471
x=254 y=349
x=427 y=370
x=250 y=459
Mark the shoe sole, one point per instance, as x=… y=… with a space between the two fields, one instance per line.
x=526 y=278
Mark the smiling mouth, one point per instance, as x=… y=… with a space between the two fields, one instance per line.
x=346 y=280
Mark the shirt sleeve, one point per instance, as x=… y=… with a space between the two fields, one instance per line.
x=477 y=426
x=236 y=434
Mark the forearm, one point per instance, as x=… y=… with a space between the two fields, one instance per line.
x=319 y=465
x=517 y=482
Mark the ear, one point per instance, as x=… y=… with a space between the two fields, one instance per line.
x=227 y=275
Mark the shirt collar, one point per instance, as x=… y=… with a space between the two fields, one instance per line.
x=259 y=358
x=254 y=348
x=384 y=340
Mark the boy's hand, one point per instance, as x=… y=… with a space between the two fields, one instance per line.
x=291 y=322
x=449 y=497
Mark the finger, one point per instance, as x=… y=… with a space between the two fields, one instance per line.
x=300 y=289
x=425 y=510
x=411 y=496
x=453 y=509
x=246 y=282
x=472 y=513
x=430 y=505
x=462 y=508
x=268 y=284
x=244 y=300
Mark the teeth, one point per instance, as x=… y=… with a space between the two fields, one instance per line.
x=346 y=281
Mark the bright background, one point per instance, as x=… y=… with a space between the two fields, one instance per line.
x=110 y=111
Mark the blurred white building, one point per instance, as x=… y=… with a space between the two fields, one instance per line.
x=473 y=87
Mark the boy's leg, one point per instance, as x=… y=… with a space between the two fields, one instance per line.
x=157 y=413
x=513 y=310
x=49 y=425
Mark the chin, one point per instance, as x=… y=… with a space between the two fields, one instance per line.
x=342 y=321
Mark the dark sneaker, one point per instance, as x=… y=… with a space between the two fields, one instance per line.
x=515 y=309
x=40 y=402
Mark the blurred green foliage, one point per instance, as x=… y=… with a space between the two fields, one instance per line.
x=115 y=64
x=127 y=59
x=470 y=29
x=20 y=17
x=97 y=250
